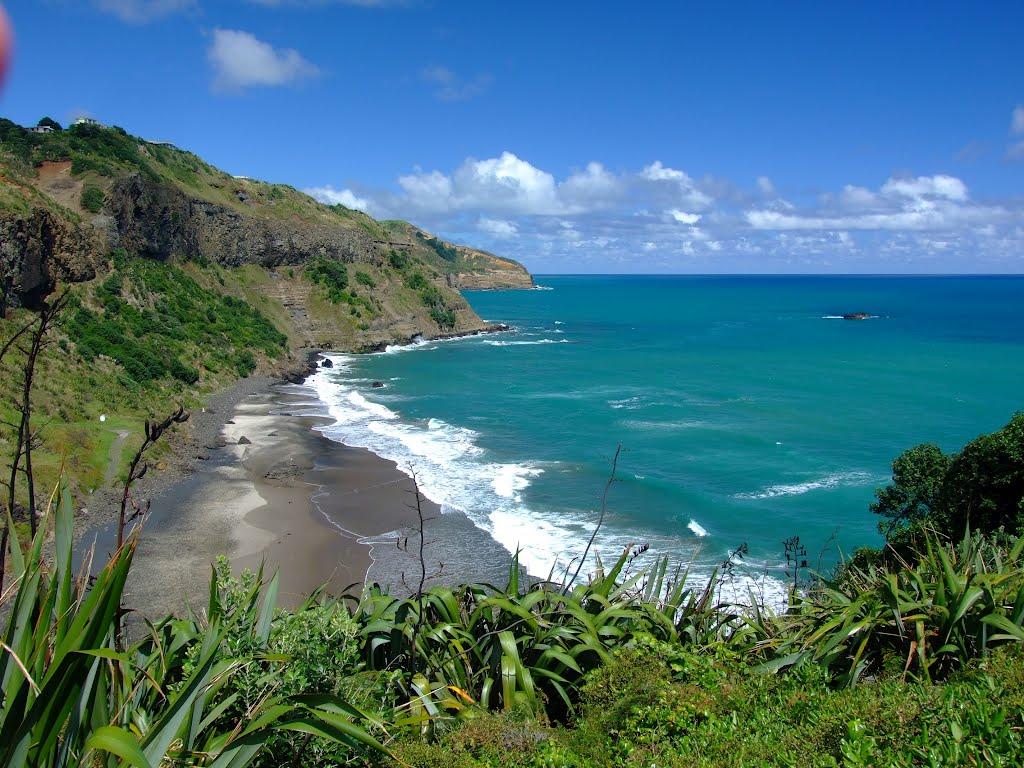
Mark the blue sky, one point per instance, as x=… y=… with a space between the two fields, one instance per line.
x=583 y=137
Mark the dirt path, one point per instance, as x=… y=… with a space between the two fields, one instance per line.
x=114 y=457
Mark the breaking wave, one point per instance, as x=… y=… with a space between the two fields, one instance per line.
x=835 y=480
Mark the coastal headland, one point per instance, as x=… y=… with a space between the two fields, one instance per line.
x=188 y=286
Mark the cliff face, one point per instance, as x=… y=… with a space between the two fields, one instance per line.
x=159 y=221
x=161 y=203
x=490 y=272
x=38 y=248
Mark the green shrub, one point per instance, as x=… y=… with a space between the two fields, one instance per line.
x=981 y=487
x=445 y=318
x=416 y=281
x=398 y=259
x=92 y=199
x=245 y=363
x=364 y=279
x=332 y=275
x=443 y=250
x=158 y=323
x=188 y=692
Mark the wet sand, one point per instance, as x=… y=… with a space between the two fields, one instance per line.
x=262 y=498
x=276 y=492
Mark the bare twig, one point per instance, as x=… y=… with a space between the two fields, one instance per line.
x=135 y=472
x=600 y=521
x=25 y=438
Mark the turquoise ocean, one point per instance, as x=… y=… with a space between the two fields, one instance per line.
x=747 y=411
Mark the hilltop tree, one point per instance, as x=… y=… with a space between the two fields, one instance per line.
x=48 y=121
x=981 y=487
x=916 y=489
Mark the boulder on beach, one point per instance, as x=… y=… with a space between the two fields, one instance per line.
x=326 y=363
x=243 y=440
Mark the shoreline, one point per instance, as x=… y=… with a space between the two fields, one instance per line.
x=276 y=493
x=255 y=481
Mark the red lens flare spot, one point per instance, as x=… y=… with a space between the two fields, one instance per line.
x=6 y=43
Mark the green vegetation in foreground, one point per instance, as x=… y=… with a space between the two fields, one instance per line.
x=898 y=662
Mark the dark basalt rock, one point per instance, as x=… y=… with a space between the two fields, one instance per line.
x=243 y=440
x=856 y=316
x=377 y=384
x=326 y=363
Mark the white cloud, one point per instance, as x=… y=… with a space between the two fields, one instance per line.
x=658 y=172
x=497 y=227
x=660 y=218
x=427 y=191
x=678 y=185
x=240 y=60
x=765 y=185
x=857 y=197
x=1017 y=120
x=906 y=204
x=331 y=196
x=506 y=184
x=451 y=87
x=683 y=217
x=142 y=11
x=922 y=187
x=594 y=187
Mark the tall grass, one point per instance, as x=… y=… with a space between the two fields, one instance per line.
x=75 y=694
x=72 y=695
x=953 y=603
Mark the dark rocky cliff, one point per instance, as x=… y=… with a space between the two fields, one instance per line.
x=159 y=221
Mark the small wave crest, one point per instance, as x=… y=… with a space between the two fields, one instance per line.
x=522 y=342
x=834 y=480
x=629 y=403
x=697 y=529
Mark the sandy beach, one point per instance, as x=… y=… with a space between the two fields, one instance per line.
x=269 y=489
x=258 y=498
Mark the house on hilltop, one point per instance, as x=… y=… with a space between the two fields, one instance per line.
x=89 y=121
x=41 y=129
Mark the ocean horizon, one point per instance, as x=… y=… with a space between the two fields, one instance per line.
x=747 y=410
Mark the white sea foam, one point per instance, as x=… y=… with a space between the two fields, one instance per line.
x=455 y=472
x=522 y=342
x=834 y=480
x=510 y=479
x=394 y=349
x=630 y=403
x=697 y=529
